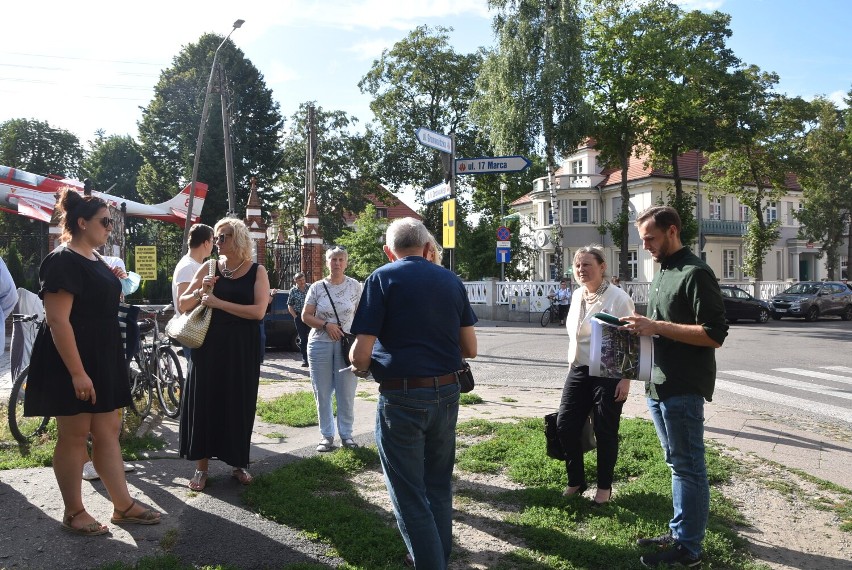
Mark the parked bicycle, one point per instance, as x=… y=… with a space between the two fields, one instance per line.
x=22 y=428
x=551 y=313
x=155 y=367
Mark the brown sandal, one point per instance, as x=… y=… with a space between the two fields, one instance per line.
x=91 y=529
x=148 y=516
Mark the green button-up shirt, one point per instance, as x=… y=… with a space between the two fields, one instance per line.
x=685 y=291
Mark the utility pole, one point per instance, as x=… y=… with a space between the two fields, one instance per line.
x=226 y=134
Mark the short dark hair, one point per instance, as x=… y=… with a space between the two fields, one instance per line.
x=664 y=217
x=198 y=234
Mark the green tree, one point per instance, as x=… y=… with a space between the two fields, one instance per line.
x=622 y=44
x=364 y=243
x=768 y=134
x=169 y=129
x=345 y=171
x=827 y=183
x=532 y=84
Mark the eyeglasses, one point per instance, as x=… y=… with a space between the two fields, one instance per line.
x=107 y=222
x=338 y=248
x=221 y=237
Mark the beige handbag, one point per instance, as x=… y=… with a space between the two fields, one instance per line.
x=189 y=329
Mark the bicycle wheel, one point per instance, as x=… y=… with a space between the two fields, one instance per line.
x=22 y=428
x=545 y=318
x=169 y=381
x=141 y=391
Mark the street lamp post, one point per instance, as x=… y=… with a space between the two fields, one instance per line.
x=503 y=188
x=204 y=112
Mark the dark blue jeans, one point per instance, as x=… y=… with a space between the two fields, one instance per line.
x=679 y=421
x=580 y=395
x=302 y=330
x=416 y=438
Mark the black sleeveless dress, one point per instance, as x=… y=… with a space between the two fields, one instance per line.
x=94 y=319
x=220 y=397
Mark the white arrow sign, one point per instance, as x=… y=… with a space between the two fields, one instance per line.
x=491 y=164
x=435 y=193
x=434 y=140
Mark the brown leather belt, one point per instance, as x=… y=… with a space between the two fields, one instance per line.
x=426 y=382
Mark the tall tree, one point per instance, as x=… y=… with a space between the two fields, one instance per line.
x=624 y=40
x=532 y=84
x=345 y=171
x=169 y=129
x=827 y=183
x=768 y=134
x=692 y=81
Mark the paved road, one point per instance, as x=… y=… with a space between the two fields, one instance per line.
x=786 y=367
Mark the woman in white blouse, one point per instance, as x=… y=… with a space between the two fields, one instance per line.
x=329 y=310
x=583 y=393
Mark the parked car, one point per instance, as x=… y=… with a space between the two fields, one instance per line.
x=279 y=325
x=740 y=305
x=811 y=300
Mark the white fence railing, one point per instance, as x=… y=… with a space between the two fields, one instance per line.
x=534 y=294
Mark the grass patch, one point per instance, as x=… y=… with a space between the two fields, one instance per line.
x=39 y=452
x=298 y=409
x=163 y=562
x=316 y=496
x=573 y=534
x=507 y=399
x=470 y=399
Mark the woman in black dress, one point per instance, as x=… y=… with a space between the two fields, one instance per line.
x=220 y=398
x=77 y=371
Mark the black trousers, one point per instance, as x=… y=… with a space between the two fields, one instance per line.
x=563 y=312
x=302 y=329
x=580 y=395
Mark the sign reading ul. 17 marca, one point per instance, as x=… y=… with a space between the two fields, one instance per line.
x=491 y=164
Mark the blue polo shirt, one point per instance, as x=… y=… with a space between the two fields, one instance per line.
x=416 y=310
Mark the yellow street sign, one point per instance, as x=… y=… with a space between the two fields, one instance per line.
x=449 y=224
x=146 y=261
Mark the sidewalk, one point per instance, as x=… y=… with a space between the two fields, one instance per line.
x=215 y=528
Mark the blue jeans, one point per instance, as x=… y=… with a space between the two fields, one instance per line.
x=326 y=361
x=416 y=438
x=679 y=421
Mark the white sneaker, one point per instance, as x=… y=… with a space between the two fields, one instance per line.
x=325 y=444
x=89 y=473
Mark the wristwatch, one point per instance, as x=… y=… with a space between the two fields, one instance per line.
x=324 y=325
x=361 y=373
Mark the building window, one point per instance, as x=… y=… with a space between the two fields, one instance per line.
x=632 y=263
x=771 y=212
x=577 y=167
x=745 y=213
x=579 y=211
x=729 y=264
x=715 y=208
x=381 y=213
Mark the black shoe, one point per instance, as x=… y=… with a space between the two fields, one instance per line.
x=304 y=364
x=662 y=541
x=671 y=557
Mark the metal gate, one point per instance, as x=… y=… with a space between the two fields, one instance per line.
x=285 y=262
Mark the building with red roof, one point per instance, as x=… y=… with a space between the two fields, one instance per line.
x=589 y=196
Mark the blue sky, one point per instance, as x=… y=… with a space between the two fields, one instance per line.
x=90 y=65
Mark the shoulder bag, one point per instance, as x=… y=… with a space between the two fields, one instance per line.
x=348 y=338
x=465 y=378
x=554 y=446
x=189 y=329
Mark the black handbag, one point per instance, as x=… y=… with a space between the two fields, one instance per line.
x=465 y=378
x=348 y=338
x=588 y=441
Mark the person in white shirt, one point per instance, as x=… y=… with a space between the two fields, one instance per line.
x=583 y=393
x=200 y=247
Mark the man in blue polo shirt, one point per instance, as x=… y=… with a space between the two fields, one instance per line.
x=414 y=325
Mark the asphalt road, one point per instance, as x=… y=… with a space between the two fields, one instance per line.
x=783 y=368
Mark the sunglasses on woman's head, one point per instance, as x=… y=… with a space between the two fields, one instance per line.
x=107 y=222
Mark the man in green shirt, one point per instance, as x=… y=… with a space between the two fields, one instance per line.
x=686 y=316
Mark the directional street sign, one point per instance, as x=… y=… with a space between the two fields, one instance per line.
x=491 y=164
x=438 y=141
x=437 y=192
x=504 y=255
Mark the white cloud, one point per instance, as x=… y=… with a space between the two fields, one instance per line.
x=370 y=49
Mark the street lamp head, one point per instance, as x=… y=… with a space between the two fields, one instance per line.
x=503 y=186
x=239 y=23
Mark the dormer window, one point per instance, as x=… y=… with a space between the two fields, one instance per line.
x=577 y=167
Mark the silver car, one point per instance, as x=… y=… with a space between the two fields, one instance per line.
x=811 y=300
